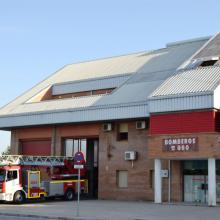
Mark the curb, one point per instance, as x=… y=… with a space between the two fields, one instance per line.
x=47 y=217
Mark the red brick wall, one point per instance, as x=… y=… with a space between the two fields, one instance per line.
x=208 y=146
x=53 y=133
x=184 y=122
x=111 y=159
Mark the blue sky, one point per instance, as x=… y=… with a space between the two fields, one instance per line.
x=40 y=36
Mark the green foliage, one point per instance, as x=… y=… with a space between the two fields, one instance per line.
x=7 y=151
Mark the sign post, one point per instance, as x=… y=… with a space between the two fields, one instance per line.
x=78 y=192
x=78 y=164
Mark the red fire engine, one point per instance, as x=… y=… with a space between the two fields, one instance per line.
x=34 y=177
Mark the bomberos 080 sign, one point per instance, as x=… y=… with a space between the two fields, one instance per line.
x=182 y=144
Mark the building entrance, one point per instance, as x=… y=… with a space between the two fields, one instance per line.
x=195 y=179
x=195 y=188
x=89 y=147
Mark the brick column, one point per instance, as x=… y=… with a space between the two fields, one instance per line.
x=53 y=141
x=14 y=143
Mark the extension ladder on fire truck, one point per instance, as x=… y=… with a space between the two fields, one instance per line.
x=33 y=160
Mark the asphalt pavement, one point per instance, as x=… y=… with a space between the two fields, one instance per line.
x=5 y=217
x=108 y=210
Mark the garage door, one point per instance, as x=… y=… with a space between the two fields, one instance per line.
x=36 y=148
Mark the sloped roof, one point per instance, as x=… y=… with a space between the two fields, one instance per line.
x=126 y=64
x=163 y=64
x=194 y=81
x=146 y=71
x=188 y=90
x=193 y=87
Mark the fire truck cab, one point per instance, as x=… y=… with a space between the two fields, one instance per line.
x=10 y=186
x=33 y=177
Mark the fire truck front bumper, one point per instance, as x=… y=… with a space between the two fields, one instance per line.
x=6 y=197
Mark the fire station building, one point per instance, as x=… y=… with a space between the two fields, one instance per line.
x=148 y=123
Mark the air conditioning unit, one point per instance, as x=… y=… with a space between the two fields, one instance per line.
x=140 y=125
x=130 y=155
x=107 y=127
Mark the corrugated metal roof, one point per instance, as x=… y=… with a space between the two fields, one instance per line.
x=211 y=49
x=161 y=66
x=132 y=92
x=164 y=62
x=107 y=67
x=148 y=69
x=89 y=85
x=190 y=81
x=101 y=68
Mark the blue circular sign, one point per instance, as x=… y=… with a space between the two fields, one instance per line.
x=79 y=158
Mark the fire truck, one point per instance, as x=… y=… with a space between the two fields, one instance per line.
x=35 y=177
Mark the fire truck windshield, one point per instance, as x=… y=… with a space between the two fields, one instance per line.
x=2 y=175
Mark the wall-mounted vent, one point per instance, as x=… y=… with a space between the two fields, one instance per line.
x=107 y=127
x=140 y=125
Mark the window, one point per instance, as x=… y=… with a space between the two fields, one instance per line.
x=2 y=175
x=203 y=62
x=208 y=63
x=123 y=132
x=151 y=182
x=12 y=175
x=71 y=146
x=122 y=178
x=96 y=153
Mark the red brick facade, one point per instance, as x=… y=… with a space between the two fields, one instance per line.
x=145 y=142
x=111 y=156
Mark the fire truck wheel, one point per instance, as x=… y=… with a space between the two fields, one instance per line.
x=19 y=197
x=69 y=195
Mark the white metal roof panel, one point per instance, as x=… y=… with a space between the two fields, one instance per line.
x=58 y=104
x=101 y=68
x=181 y=103
x=111 y=112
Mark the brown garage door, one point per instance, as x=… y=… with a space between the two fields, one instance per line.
x=36 y=148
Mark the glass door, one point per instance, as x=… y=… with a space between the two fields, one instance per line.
x=195 y=188
x=218 y=188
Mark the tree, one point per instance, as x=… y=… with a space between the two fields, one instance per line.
x=7 y=151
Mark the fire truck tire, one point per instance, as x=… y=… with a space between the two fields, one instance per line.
x=69 y=195
x=19 y=197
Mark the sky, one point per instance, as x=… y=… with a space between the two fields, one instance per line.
x=39 y=37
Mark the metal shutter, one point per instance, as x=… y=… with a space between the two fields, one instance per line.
x=36 y=147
